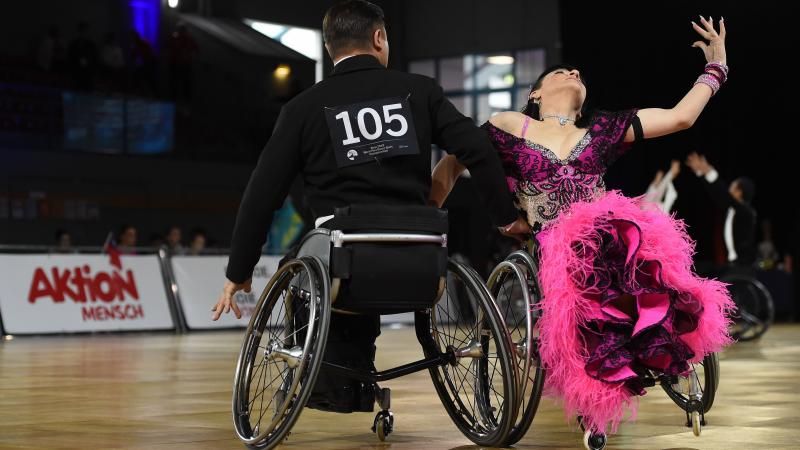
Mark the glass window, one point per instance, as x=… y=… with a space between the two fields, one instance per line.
x=455 y=73
x=494 y=71
x=491 y=104
x=482 y=85
x=306 y=41
x=425 y=67
x=530 y=64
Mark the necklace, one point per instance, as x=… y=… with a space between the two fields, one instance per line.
x=562 y=120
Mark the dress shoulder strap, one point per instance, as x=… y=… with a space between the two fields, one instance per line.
x=525 y=126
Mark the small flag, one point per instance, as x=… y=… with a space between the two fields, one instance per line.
x=110 y=247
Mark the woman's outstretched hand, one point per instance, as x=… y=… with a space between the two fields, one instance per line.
x=714 y=49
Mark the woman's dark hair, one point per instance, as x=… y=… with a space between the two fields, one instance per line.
x=349 y=25
x=532 y=109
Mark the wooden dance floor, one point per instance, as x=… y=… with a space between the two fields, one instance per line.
x=161 y=391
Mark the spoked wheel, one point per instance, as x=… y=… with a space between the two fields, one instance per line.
x=282 y=353
x=706 y=374
x=515 y=288
x=755 y=310
x=478 y=386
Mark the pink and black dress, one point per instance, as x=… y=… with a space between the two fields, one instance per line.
x=594 y=247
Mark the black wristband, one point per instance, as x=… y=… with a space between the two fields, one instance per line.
x=638 y=134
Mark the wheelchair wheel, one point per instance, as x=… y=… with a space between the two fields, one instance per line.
x=515 y=288
x=478 y=386
x=755 y=308
x=281 y=353
x=706 y=373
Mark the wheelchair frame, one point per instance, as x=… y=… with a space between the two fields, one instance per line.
x=488 y=426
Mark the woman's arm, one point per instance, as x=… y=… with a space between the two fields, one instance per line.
x=443 y=179
x=660 y=121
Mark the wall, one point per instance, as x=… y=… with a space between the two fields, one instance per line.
x=455 y=27
x=149 y=193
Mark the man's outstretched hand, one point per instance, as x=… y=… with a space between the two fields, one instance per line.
x=226 y=301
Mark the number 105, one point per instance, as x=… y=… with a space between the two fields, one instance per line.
x=388 y=118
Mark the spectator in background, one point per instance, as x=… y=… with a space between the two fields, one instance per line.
x=661 y=191
x=112 y=60
x=82 y=59
x=198 y=243
x=127 y=240
x=51 y=52
x=143 y=61
x=173 y=241
x=740 y=221
x=63 y=242
x=768 y=255
x=182 y=51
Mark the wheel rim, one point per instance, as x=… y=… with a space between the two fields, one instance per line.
x=473 y=385
x=515 y=304
x=755 y=309
x=269 y=373
x=531 y=390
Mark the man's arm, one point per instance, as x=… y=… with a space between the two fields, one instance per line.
x=459 y=136
x=714 y=185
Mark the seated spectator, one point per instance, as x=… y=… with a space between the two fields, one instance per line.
x=198 y=243
x=63 y=242
x=173 y=241
x=127 y=240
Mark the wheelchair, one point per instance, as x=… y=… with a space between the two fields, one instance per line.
x=755 y=309
x=514 y=285
x=384 y=260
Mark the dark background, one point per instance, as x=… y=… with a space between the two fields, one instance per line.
x=634 y=54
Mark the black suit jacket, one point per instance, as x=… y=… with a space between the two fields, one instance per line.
x=301 y=143
x=744 y=222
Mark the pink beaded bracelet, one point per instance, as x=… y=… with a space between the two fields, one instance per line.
x=710 y=81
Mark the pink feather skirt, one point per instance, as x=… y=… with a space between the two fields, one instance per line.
x=594 y=351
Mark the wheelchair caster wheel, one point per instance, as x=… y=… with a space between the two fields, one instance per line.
x=697 y=426
x=594 y=441
x=383 y=425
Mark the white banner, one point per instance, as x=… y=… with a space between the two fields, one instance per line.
x=200 y=280
x=73 y=293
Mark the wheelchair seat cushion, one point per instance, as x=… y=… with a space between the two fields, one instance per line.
x=391 y=277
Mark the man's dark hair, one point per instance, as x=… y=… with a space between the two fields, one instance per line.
x=748 y=188
x=349 y=25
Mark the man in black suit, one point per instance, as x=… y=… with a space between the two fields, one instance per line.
x=740 y=221
x=363 y=135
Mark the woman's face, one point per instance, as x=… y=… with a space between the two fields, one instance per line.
x=561 y=82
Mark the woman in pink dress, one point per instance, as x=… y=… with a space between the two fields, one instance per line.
x=619 y=296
